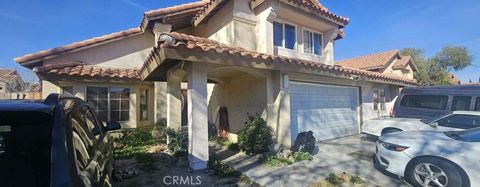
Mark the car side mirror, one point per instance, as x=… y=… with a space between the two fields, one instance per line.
x=434 y=124
x=112 y=125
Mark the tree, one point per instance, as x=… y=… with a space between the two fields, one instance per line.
x=437 y=69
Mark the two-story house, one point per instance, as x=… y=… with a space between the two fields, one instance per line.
x=215 y=61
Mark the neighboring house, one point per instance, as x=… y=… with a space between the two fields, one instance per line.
x=12 y=85
x=274 y=58
x=389 y=62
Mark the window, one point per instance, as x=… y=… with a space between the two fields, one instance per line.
x=312 y=42
x=461 y=103
x=119 y=104
x=284 y=35
x=437 y=102
x=67 y=90
x=379 y=100
x=144 y=104
x=111 y=104
x=477 y=104
x=460 y=121
x=97 y=97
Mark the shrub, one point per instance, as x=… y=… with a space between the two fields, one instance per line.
x=256 y=137
x=220 y=169
x=301 y=156
x=356 y=180
x=334 y=179
x=229 y=144
x=274 y=161
x=178 y=141
x=137 y=137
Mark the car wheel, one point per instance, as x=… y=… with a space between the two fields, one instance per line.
x=435 y=172
x=390 y=130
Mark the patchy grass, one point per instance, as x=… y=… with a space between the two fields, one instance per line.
x=343 y=179
x=274 y=161
x=133 y=142
x=301 y=156
x=356 y=180
x=334 y=179
x=229 y=145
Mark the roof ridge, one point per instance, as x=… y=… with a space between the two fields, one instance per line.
x=76 y=45
x=368 y=55
x=158 y=11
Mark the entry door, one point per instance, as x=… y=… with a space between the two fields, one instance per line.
x=328 y=111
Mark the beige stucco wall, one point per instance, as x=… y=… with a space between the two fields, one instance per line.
x=129 y=52
x=240 y=95
x=79 y=90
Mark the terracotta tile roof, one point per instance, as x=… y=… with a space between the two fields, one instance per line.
x=76 y=45
x=403 y=62
x=82 y=70
x=371 y=61
x=189 y=42
x=179 y=16
x=36 y=87
x=8 y=75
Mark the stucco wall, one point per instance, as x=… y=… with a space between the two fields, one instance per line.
x=129 y=52
x=79 y=90
x=241 y=95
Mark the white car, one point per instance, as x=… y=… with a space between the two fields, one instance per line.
x=457 y=120
x=432 y=158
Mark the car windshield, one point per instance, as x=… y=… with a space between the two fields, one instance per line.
x=471 y=135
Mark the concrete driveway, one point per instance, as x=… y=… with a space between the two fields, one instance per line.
x=352 y=154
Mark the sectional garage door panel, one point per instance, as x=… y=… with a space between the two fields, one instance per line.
x=328 y=111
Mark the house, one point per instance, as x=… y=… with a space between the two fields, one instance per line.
x=202 y=59
x=11 y=84
x=389 y=62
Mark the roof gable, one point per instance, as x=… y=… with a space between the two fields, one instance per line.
x=403 y=62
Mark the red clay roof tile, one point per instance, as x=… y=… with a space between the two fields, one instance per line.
x=82 y=70
x=370 y=61
x=190 y=42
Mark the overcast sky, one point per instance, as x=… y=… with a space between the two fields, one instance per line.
x=29 y=26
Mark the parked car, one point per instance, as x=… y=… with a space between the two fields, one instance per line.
x=457 y=120
x=57 y=142
x=427 y=102
x=432 y=158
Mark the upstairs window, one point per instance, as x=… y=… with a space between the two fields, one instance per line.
x=284 y=35
x=312 y=42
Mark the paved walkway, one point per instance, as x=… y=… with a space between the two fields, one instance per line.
x=351 y=154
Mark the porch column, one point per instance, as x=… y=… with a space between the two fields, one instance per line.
x=197 y=116
x=174 y=98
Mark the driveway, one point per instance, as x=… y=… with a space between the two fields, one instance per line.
x=352 y=154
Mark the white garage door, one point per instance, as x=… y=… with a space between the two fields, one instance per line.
x=328 y=111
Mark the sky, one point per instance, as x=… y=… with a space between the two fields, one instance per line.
x=28 y=26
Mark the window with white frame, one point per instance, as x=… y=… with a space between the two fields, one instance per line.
x=312 y=42
x=111 y=104
x=284 y=35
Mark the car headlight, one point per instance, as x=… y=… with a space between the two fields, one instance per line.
x=393 y=147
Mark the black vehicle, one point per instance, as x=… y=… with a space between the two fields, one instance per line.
x=57 y=142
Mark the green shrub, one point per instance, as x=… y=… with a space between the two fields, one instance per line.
x=356 y=180
x=133 y=142
x=256 y=137
x=274 y=161
x=301 y=156
x=229 y=144
x=137 y=137
x=334 y=179
x=178 y=141
x=220 y=169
